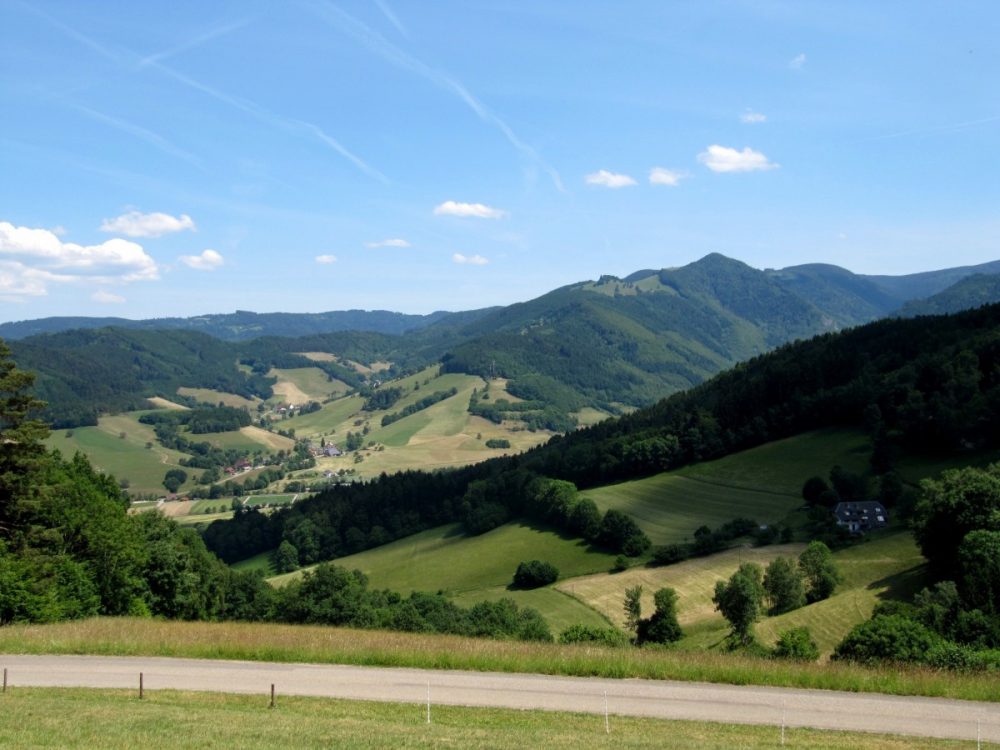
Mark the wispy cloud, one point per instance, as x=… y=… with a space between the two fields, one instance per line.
x=798 y=61
x=288 y=124
x=136 y=224
x=948 y=128
x=663 y=176
x=154 y=139
x=326 y=259
x=209 y=260
x=607 y=179
x=195 y=41
x=724 y=159
x=69 y=31
x=394 y=242
x=752 y=118
x=469 y=260
x=389 y=52
x=107 y=298
x=468 y=210
x=391 y=17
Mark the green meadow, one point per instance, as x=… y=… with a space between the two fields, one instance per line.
x=471 y=569
x=62 y=717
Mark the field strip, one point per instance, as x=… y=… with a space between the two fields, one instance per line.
x=735 y=486
x=817 y=709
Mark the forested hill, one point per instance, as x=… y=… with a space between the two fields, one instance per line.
x=613 y=343
x=924 y=385
x=240 y=325
x=972 y=291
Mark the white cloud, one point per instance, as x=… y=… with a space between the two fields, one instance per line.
x=752 y=118
x=136 y=224
x=107 y=298
x=34 y=257
x=209 y=260
x=608 y=179
x=469 y=260
x=662 y=176
x=798 y=61
x=723 y=159
x=390 y=242
x=475 y=210
x=326 y=259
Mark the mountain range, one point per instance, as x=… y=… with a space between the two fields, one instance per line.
x=614 y=343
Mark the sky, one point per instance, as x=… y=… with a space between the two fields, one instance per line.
x=183 y=158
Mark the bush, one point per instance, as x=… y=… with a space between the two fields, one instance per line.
x=620 y=564
x=669 y=554
x=796 y=643
x=887 y=638
x=498 y=443
x=535 y=573
x=961 y=658
x=590 y=634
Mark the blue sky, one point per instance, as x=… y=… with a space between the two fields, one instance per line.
x=183 y=158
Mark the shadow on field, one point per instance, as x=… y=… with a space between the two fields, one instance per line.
x=902 y=585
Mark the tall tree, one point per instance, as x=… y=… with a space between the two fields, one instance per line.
x=740 y=600
x=820 y=571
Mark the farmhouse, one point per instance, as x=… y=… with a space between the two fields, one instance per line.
x=332 y=450
x=860 y=517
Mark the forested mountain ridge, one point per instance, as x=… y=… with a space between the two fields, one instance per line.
x=614 y=344
x=972 y=291
x=241 y=325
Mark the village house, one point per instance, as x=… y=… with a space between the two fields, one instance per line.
x=860 y=517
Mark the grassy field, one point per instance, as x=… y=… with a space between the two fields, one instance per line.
x=475 y=568
x=125 y=458
x=47 y=717
x=763 y=483
x=208 y=396
x=440 y=436
x=304 y=644
x=887 y=567
x=304 y=384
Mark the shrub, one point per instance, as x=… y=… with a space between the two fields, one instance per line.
x=961 y=658
x=796 y=643
x=498 y=443
x=620 y=565
x=535 y=573
x=668 y=554
x=590 y=634
x=887 y=638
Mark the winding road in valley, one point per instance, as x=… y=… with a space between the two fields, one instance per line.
x=820 y=709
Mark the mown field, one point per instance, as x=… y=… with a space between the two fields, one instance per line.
x=440 y=436
x=762 y=483
x=125 y=457
x=472 y=569
x=54 y=717
x=303 y=384
x=887 y=567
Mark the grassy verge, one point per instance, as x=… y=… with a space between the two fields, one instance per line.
x=45 y=717
x=299 y=643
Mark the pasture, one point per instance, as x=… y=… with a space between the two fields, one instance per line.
x=303 y=384
x=125 y=457
x=209 y=396
x=67 y=717
x=886 y=567
x=475 y=568
x=762 y=483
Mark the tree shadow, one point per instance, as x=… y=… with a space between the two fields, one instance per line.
x=903 y=585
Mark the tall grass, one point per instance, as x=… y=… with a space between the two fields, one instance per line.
x=300 y=643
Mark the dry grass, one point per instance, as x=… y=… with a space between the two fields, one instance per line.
x=47 y=717
x=209 y=396
x=301 y=643
x=162 y=403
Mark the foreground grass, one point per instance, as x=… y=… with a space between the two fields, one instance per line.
x=46 y=717
x=304 y=644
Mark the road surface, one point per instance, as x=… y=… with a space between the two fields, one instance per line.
x=820 y=709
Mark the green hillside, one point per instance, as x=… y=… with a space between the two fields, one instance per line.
x=970 y=292
x=471 y=569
